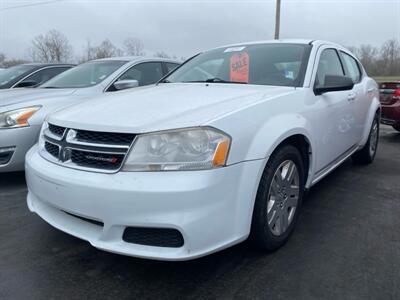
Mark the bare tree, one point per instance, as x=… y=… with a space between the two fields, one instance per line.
x=104 y=50
x=2 y=59
x=161 y=54
x=6 y=63
x=51 y=47
x=134 y=46
x=390 y=57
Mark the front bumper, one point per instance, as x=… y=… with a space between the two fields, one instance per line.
x=20 y=140
x=212 y=209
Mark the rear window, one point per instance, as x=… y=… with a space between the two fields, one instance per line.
x=390 y=85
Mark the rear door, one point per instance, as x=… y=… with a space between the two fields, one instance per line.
x=359 y=95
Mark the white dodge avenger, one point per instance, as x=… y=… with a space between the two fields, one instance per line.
x=219 y=151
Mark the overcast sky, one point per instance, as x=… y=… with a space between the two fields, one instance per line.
x=185 y=27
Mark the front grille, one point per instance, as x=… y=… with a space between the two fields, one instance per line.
x=157 y=237
x=97 y=160
x=52 y=149
x=106 y=138
x=56 y=130
x=83 y=149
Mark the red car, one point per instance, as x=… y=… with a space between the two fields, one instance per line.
x=390 y=100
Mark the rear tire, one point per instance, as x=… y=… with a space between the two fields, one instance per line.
x=396 y=127
x=367 y=154
x=279 y=198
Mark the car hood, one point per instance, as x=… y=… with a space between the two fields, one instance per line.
x=21 y=95
x=165 y=106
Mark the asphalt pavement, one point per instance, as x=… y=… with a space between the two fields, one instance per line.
x=346 y=246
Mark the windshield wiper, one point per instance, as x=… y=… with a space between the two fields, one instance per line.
x=218 y=80
x=50 y=87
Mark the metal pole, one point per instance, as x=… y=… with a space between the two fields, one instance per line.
x=277 y=19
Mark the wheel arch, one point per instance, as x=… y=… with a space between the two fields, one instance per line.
x=374 y=108
x=273 y=135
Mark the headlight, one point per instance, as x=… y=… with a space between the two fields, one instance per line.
x=17 y=118
x=183 y=149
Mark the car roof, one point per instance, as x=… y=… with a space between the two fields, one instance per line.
x=136 y=59
x=283 y=41
x=41 y=65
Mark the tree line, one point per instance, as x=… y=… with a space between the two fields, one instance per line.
x=54 y=46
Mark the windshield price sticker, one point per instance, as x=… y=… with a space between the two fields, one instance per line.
x=239 y=67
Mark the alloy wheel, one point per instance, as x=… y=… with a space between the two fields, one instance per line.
x=373 y=139
x=283 y=197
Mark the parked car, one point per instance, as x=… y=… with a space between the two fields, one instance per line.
x=22 y=111
x=390 y=100
x=30 y=75
x=221 y=149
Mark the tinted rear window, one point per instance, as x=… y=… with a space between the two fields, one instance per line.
x=390 y=85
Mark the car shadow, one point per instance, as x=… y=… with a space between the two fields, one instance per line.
x=14 y=179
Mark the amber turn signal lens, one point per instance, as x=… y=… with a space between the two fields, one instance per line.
x=221 y=154
x=22 y=120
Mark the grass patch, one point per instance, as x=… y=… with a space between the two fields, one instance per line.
x=386 y=78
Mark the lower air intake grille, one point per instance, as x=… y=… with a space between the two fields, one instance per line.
x=94 y=222
x=157 y=237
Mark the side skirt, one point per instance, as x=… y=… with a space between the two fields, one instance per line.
x=334 y=164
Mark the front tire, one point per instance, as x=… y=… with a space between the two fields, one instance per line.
x=367 y=154
x=279 y=198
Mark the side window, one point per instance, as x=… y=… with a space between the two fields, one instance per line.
x=145 y=73
x=42 y=76
x=352 y=68
x=329 y=64
x=171 y=66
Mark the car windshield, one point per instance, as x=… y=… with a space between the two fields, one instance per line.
x=262 y=64
x=12 y=73
x=85 y=75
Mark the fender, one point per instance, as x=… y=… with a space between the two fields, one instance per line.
x=375 y=105
x=272 y=134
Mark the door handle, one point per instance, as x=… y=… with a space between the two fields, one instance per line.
x=351 y=97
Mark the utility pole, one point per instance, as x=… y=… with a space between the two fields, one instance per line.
x=277 y=19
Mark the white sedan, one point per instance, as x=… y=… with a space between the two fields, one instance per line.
x=220 y=150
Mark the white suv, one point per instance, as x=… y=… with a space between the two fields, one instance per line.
x=221 y=149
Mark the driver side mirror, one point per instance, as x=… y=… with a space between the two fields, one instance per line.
x=126 y=84
x=334 y=83
x=27 y=83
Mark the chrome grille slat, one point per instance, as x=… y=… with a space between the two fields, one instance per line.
x=97 y=153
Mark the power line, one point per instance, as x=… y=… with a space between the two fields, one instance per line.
x=29 y=5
